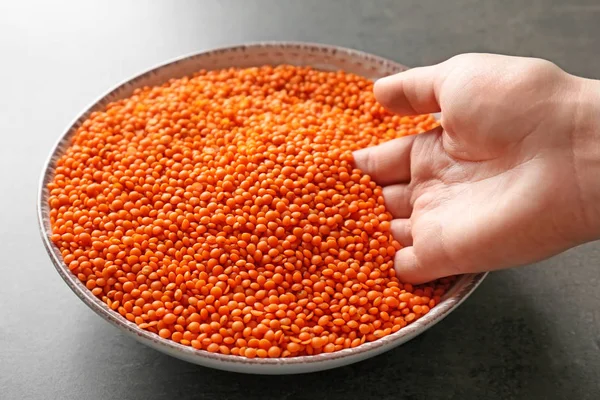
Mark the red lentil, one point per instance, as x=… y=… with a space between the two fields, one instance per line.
x=222 y=211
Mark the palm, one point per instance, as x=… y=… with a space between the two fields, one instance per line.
x=467 y=213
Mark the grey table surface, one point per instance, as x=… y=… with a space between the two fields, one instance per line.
x=529 y=333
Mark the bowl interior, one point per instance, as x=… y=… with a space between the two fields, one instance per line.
x=318 y=56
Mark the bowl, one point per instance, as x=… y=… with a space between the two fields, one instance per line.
x=319 y=56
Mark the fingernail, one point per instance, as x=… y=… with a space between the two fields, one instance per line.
x=405 y=264
x=382 y=81
x=386 y=79
x=359 y=155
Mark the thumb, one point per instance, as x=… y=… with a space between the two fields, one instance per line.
x=412 y=92
x=408 y=268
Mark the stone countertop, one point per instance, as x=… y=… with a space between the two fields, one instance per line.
x=529 y=333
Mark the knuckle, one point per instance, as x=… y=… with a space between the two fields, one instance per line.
x=463 y=58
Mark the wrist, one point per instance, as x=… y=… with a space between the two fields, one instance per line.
x=586 y=153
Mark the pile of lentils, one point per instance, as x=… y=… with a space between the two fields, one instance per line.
x=222 y=211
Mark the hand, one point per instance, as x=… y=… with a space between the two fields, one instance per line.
x=510 y=177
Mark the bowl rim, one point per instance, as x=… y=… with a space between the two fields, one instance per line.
x=459 y=292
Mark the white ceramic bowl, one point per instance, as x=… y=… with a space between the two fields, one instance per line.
x=319 y=56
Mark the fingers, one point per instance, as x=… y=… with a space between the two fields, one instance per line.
x=411 y=92
x=401 y=231
x=387 y=163
x=397 y=200
x=409 y=269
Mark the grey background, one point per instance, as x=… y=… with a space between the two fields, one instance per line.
x=531 y=333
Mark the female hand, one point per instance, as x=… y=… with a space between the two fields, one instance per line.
x=510 y=177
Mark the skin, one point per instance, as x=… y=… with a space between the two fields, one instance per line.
x=508 y=179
